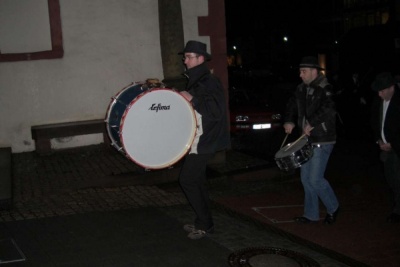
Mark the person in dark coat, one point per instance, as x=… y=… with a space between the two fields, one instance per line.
x=207 y=96
x=386 y=129
x=312 y=109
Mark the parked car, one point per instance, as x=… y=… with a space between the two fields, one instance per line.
x=256 y=127
x=249 y=112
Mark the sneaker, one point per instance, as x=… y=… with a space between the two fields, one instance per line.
x=189 y=228
x=197 y=234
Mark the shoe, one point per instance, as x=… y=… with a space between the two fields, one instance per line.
x=303 y=220
x=393 y=218
x=196 y=233
x=189 y=228
x=331 y=217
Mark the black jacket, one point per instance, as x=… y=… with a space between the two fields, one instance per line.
x=210 y=102
x=392 y=121
x=315 y=105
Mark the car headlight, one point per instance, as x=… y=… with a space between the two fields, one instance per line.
x=276 y=116
x=242 y=118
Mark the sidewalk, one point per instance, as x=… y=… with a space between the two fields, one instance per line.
x=361 y=234
x=92 y=207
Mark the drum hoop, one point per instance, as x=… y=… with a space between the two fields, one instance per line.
x=186 y=148
x=299 y=145
x=110 y=107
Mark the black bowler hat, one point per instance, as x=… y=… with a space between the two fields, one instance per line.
x=196 y=47
x=382 y=81
x=310 y=62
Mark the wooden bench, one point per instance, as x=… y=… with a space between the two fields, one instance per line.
x=42 y=134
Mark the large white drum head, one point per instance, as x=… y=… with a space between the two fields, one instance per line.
x=158 y=128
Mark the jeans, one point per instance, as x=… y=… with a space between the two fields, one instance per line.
x=315 y=185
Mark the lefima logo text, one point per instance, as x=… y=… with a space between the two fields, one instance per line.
x=159 y=107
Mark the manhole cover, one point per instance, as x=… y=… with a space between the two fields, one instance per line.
x=266 y=256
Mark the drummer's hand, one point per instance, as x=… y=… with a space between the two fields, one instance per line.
x=288 y=128
x=385 y=146
x=307 y=129
x=186 y=95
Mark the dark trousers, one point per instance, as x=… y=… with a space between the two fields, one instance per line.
x=392 y=175
x=193 y=182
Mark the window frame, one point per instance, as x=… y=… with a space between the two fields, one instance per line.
x=57 y=50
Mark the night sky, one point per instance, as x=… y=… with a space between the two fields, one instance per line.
x=258 y=27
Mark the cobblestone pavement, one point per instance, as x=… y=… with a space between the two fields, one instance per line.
x=67 y=183
x=72 y=182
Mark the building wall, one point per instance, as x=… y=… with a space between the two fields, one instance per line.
x=107 y=45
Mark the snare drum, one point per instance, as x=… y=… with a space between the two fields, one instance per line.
x=154 y=128
x=294 y=155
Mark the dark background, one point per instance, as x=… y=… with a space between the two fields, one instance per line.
x=356 y=37
x=257 y=28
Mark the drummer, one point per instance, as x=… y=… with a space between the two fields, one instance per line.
x=313 y=110
x=205 y=92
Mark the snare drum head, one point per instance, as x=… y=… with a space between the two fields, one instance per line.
x=289 y=149
x=158 y=128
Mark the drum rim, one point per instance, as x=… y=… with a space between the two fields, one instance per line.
x=303 y=142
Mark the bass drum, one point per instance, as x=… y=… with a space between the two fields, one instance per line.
x=154 y=128
x=293 y=155
x=117 y=108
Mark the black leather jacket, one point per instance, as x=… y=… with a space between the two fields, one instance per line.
x=314 y=104
x=209 y=101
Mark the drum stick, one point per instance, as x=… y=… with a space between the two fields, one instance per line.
x=295 y=142
x=301 y=137
x=284 y=140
